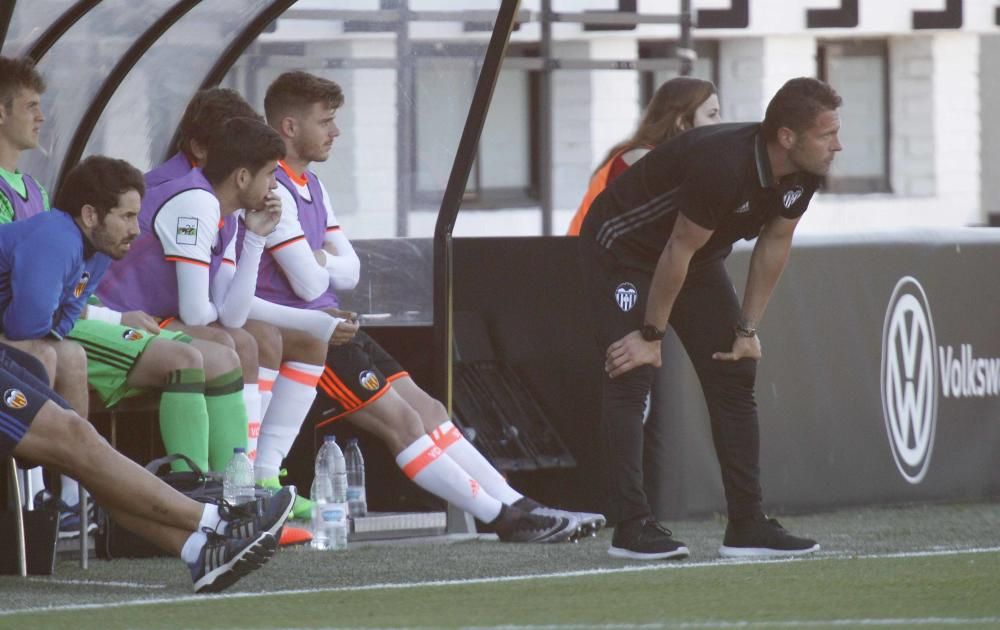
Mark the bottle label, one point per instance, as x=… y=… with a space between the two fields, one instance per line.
x=354 y=493
x=334 y=514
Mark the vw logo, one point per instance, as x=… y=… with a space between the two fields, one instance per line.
x=909 y=392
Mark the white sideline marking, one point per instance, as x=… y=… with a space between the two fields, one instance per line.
x=139 y=585
x=659 y=566
x=709 y=625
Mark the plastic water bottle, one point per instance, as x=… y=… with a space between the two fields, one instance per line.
x=238 y=479
x=333 y=516
x=357 y=498
x=321 y=493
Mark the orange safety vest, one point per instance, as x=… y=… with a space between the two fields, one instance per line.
x=597 y=183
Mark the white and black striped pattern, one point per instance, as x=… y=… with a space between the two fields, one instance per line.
x=263 y=515
x=240 y=521
x=224 y=561
x=635 y=218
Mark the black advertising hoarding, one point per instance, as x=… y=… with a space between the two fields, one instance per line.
x=880 y=381
x=826 y=437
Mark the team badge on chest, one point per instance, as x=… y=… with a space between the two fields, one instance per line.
x=81 y=284
x=626 y=296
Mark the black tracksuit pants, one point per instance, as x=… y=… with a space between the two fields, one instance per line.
x=703 y=317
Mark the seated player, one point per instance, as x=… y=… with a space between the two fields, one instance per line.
x=220 y=545
x=125 y=352
x=184 y=266
x=307 y=259
x=299 y=353
x=104 y=195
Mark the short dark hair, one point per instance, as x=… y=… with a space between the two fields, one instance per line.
x=797 y=104
x=16 y=74
x=294 y=92
x=206 y=112
x=98 y=181
x=241 y=143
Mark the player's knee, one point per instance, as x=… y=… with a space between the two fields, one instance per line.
x=78 y=441
x=218 y=336
x=181 y=356
x=434 y=414
x=315 y=351
x=301 y=346
x=47 y=356
x=245 y=346
x=71 y=356
x=217 y=359
x=406 y=424
x=223 y=359
x=269 y=344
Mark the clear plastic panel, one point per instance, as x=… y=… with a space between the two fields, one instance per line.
x=408 y=89
x=141 y=117
x=29 y=21
x=407 y=95
x=76 y=67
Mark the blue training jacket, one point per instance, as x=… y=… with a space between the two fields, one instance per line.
x=47 y=271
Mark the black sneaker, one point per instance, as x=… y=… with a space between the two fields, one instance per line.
x=762 y=537
x=590 y=523
x=645 y=539
x=516 y=526
x=264 y=515
x=69 y=515
x=223 y=561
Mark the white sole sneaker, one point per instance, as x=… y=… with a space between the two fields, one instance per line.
x=763 y=552
x=618 y=552
x=588 y=524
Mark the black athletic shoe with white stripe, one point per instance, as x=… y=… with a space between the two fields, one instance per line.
x=761 y=536
x=590 y=523
x=264 y=515
x=516 y=526
x=645 y=539
x=223 y=561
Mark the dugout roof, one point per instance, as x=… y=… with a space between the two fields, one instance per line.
x=119 y=74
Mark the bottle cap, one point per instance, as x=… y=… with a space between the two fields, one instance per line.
x=329 y=438
x=239 y=449
x=352 y=442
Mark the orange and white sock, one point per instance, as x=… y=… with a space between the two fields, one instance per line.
x=450 y=440
x=251 y=399
x=293 y=394
x=428 y=466
x=265 y=380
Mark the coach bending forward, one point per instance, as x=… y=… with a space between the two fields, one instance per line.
x=653 y=247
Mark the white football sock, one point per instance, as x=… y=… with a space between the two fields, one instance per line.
x=252 y=400
x=210 y=517
x=36 y=483
x=192 y=547
x=70 y=491
x=265 y=379
x=294 y=393
x=450 y=440
x=431 y=469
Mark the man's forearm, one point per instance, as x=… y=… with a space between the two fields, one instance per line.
x=668 y=278
x=766 y=264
